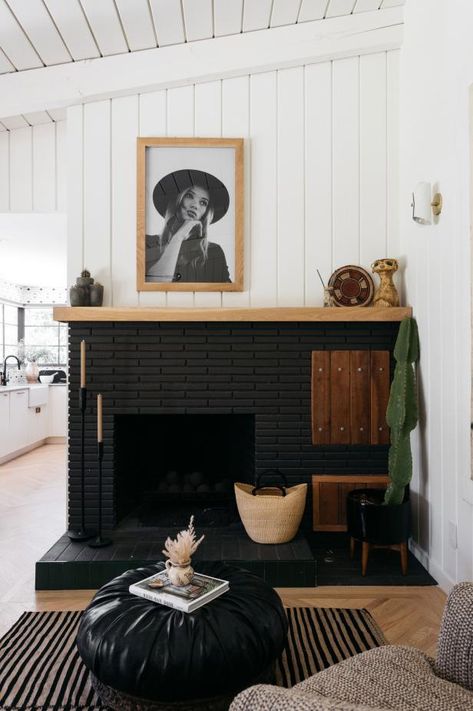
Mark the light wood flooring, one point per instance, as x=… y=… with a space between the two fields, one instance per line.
x=32 y=517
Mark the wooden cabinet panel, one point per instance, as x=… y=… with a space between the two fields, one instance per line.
x=329 y=495
x=380 y=385
x=339 y=397
x=321 y=397
x=350 y=393
x=360 y=397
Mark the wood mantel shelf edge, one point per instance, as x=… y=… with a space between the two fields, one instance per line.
x=292 y=313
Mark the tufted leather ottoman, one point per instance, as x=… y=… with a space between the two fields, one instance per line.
x=143 y=655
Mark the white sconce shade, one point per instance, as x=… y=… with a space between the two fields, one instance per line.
x=422 y=204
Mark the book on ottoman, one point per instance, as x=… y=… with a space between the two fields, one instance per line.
x=187 y=598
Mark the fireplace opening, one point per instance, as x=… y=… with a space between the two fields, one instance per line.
x=168 y=467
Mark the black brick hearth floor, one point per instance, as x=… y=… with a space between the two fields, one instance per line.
x=69 y=565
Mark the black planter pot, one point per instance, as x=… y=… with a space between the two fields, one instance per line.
x=370 y=520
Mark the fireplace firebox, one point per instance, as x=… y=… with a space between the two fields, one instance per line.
x=168 y=467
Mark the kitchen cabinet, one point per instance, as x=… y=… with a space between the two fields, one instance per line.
x=19 y=434
x=4 y=423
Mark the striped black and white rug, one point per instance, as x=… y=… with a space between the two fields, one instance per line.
x=40 y=669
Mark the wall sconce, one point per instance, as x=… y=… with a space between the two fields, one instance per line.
x=423 y=206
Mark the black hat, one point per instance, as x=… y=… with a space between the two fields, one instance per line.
x=169 y=187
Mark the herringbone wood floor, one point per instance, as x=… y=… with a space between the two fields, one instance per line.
x=32 y=517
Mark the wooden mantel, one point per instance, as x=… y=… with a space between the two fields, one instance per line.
x=292 y=313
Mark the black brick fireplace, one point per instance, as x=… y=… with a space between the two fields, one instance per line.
x=188 y=408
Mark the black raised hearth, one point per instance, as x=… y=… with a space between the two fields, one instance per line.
x=159 y=380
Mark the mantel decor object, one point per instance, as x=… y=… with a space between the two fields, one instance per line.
x=178 y=551
x=86 y=291
x=386 y=293
x=351 y=285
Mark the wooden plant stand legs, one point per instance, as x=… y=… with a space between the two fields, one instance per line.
x=365 y=552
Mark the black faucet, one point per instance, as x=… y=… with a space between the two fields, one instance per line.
x=3 y=374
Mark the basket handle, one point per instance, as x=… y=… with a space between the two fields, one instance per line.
x=260 y=486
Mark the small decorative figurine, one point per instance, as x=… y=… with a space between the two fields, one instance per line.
x=386 y=293
x=179 y=553
x=85 y=292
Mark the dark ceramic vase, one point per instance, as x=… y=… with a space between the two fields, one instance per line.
x=79 y=295
x=96 y=294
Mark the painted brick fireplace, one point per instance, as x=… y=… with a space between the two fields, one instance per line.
x=160 y=372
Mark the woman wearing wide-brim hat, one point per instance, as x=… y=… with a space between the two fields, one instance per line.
x=190 y=201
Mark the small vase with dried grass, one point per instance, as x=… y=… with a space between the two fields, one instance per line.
x=179 y=552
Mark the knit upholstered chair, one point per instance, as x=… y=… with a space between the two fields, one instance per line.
x=389 y=677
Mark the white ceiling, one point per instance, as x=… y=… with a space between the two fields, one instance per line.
x=42 y=33
x=33 y=249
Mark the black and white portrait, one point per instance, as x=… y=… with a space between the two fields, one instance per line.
x=190 y=205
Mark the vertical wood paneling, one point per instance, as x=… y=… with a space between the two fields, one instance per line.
x=236 y=123
x=263 y=129
x=346 y=162
x=290 y=195
x=21 y=170
x=318 y=180
x=75 y=192
x=124 y=132
x=97 y=194
x=61 y=166
x=372 y=157
x=208 y=122
x=392 y=153
x=153 y=122
x=380 y=386
x=44 y=167
x=5 y=171
x=320 y=161
x=180 y=117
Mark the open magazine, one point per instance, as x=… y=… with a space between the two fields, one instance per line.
x=187 y=598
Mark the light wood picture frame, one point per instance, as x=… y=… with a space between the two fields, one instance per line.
x=189 y=214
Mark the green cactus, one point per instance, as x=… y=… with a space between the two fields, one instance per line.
x=402 y=411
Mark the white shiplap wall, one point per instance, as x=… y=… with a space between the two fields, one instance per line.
x=33 y=168
x=321 y=175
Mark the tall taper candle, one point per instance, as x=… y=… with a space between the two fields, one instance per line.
x=82 y=364
x=99 y=418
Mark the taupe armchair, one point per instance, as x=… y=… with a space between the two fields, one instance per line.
x=387 y=678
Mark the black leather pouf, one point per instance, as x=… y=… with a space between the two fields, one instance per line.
x=143 y=655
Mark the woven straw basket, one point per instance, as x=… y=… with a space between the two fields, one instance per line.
x=271 y=514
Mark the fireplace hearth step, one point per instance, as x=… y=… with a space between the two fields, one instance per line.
x=73 y=565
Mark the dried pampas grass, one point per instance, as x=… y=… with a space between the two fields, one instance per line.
x=180 y=550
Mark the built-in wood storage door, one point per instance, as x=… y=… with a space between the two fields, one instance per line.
x=350 y=392
x=329 y=497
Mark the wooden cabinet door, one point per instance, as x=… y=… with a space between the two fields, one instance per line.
x=379 y=396
x=339 y=397
x=321 y=397
x=360 y=397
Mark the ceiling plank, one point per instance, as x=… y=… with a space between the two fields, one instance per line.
x=366 y=5
x=58 y=114
x=155 y=69
x=168 y=22
x=13 y=122
x=137 y=24
x=312 y=10
x=285 y=12
x=15 y=43
x=337 y=8
x=37 y=24
x=256 y=15
x=228 y=17
x=5 y=64
x=35 y=118
x=198 y=19
x=72 y=24
x=392 y=3
x=105 y=25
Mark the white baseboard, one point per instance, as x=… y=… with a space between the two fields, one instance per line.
x=444 y=580
x=24 y=450
x=57 y=439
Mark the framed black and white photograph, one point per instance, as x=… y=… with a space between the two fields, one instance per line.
x=190 y=214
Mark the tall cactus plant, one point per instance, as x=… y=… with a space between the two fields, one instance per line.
x=402 y=410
